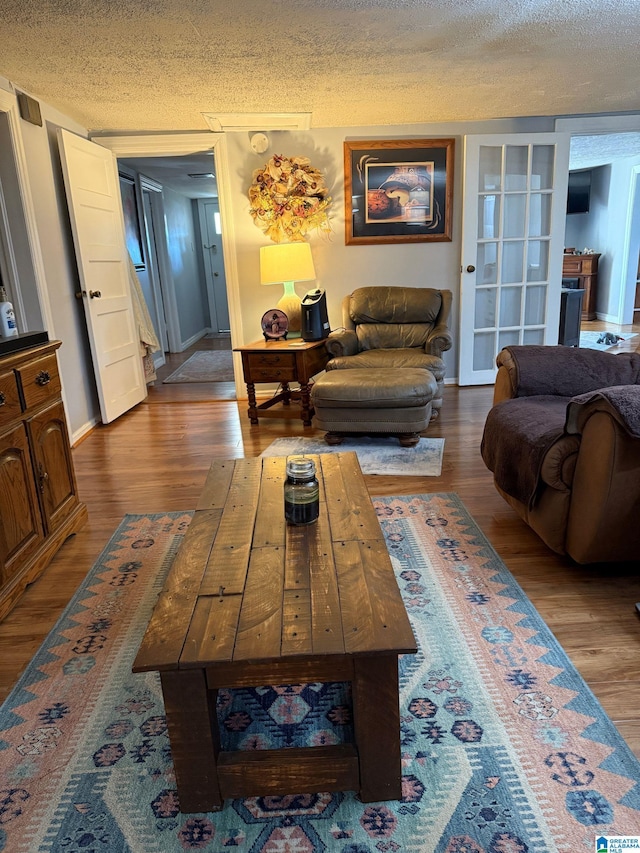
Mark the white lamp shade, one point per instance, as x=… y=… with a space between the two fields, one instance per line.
x=286 y=262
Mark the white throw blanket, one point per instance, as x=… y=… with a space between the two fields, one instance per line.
x=149 y=342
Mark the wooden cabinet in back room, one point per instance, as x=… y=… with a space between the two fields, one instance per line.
x=39 y=504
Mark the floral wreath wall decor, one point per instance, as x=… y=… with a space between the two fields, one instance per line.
x=289 y=198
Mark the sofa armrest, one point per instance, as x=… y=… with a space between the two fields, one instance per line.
x=439 y=340
x=526 y=371
x=342 y=342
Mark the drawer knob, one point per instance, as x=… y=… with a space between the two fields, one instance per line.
x=43 y=378
x=3 y=399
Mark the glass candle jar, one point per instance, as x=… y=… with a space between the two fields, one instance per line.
x=301 y=491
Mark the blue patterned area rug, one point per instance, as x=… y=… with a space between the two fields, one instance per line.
x=381 y=454
x=504 y=748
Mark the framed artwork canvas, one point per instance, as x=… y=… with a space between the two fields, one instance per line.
x=398 y=191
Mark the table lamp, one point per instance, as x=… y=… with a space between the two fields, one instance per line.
x=286 y=263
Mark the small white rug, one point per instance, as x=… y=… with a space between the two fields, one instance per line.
x=379 y=455
x=589 y=340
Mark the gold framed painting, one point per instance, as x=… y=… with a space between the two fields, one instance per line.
x=398 y=191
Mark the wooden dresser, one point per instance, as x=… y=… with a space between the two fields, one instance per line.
x=39 y=505
x=584 y=268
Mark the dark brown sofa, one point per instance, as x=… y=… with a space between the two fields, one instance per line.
x=563 y=443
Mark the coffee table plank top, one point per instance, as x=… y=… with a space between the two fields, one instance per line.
x=260 y=590
x=348 y=501
x=260 y=626
x=164 y=638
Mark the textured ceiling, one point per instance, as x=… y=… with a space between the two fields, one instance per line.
x=160 y=64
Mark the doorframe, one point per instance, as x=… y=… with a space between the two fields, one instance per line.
x=167 y=145
x=601 y=125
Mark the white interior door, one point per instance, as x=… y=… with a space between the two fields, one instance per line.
x=515 y=190
x=95 y=209
x=214 y=265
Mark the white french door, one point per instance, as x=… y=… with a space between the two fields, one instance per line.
x=514 y=207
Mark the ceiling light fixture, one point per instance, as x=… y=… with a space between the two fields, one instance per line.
x=201 y=175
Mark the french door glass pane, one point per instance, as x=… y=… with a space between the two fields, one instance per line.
x=512 y=262
x=488 y=216
x=533 y=336
x=538 y=260
x=516 y=167
x=542 y=160
x=539 y=215
x=484 y=351
x=534 y=305
x=510 y=303
x=487 y=263
x=485 y=316
x=515 y=210
x=490 y=171
x=508 y=339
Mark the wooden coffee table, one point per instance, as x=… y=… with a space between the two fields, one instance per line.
x=251 y=601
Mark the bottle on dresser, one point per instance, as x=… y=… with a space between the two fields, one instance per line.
x=8 y=327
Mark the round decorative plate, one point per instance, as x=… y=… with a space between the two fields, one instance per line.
x=275 y=325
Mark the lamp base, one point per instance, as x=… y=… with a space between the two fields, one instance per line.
x=291 y=304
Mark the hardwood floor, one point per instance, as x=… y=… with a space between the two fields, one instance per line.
x=155 y=459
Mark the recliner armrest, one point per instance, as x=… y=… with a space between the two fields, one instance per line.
x=526 y=371
x=438 y=340
x=621 y=402
x=342 y=342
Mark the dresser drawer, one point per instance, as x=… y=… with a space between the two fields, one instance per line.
x=271 y=367
x=273 y=374
x=9 y=398
x=579 y=264
x=40 y=380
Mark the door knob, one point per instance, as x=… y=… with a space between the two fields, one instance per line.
x=471 y=268
x=216 y=274
x=95 y=294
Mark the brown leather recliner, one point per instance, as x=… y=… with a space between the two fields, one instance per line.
x=563 y=443
x=394 y=327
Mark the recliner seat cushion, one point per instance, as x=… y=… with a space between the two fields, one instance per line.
x=384 y=359
x=517 y=435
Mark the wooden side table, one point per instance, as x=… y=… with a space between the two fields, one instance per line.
x=283 y=362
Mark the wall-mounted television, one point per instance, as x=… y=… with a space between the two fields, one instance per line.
x=579 y=192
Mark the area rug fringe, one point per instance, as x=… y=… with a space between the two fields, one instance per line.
x=504 y=747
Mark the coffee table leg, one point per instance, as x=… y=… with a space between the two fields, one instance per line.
x=193 y=735
x=377 y=727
